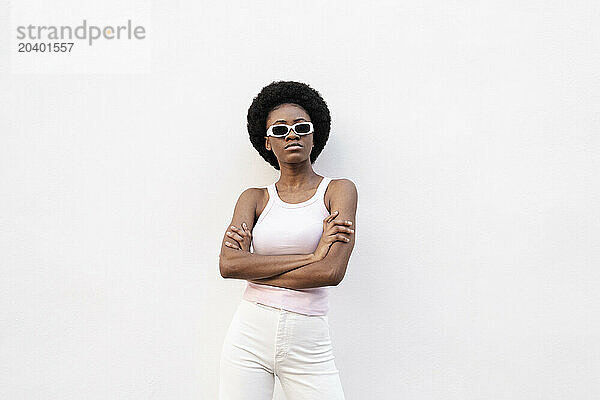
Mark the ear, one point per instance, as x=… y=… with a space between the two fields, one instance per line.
x=267 y=144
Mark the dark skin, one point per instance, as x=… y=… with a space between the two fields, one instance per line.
x=297 y=183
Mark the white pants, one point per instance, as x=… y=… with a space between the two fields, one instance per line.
x=264 y=341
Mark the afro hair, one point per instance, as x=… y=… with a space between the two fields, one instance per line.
x=281 y=92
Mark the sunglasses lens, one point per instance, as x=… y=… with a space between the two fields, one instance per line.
x=280 y=130
x=302 y=128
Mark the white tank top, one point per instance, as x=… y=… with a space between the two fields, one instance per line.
x=287 y=228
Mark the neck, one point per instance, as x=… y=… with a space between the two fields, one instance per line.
x=295 y=176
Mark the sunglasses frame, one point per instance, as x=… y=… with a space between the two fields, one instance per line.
x=289 y=128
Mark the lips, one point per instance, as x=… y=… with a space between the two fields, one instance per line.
x=293 y=145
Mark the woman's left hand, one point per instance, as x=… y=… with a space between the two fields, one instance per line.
x=241 y=237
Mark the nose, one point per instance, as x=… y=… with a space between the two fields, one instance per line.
x=290 y=133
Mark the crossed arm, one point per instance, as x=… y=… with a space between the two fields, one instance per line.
x=299 y=271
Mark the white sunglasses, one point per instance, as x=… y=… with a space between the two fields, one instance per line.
x=282 y=130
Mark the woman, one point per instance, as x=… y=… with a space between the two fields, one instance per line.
x=301 y=231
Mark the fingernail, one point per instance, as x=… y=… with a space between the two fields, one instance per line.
x=244 y=224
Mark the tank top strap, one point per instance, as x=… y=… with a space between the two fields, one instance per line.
x=272 y=194
x=319 y=194
x=323 y=187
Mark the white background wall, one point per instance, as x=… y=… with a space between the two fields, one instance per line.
x=470 y=129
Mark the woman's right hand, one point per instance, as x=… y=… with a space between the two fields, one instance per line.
x=332 y=233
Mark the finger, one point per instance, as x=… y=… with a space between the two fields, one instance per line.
x=236 y=229
x=342 y=238
x=328 y=219
x=331 y=216
x=337 y=237
x=344 y=229
x=239 y=231
x=342 y=222
x=235 y=236
x=231 y=245
x=239 y=242
x=339 y=228
x=246 y=229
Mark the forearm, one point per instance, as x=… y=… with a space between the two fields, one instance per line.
x=241 y=264
x=317 y=274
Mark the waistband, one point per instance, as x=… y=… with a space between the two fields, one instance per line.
x=278 y=309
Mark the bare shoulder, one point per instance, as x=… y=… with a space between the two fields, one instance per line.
x=246 y=207
x=341 y=189
x=344 y=184
x=251 y=195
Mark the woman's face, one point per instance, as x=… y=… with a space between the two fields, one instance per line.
x=289 y=114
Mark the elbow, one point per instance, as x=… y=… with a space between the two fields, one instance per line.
x=337 y=274
x=223 y=270
x=224 y=267
x=230 y=264
x=335 y=279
